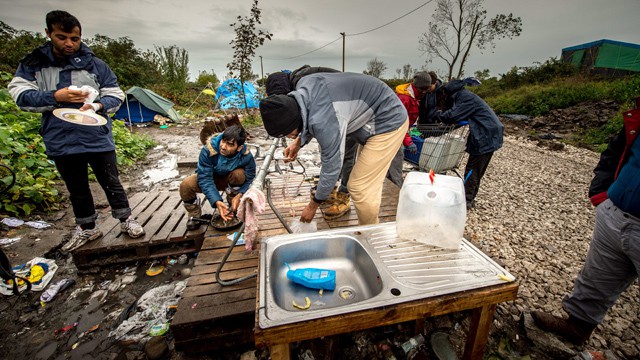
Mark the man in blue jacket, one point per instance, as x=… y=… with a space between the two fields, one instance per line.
x=42 y=84
x=485 y=132
x=225 y=164
x=613 y=260
x=331 y=107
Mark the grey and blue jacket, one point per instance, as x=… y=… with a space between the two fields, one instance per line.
x=40 y=75
x=334 y=105
x=485 y=129
x=211 y=163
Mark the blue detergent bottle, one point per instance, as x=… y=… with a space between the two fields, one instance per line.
x=313 y=278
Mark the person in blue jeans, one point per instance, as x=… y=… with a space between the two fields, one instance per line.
x=613 y=260
x=43 y=83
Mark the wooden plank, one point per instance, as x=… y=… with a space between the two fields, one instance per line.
x=215 y=307
x=229 y=265
x=217 y=288
x=215 y=256
x=214 y=335
x=481 y=319
x=225 y=275
x=386 y=315
x=163 y=208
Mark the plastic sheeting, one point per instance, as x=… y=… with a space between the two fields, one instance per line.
x=151 y=310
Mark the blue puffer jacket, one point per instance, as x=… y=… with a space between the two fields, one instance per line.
x=40 y=75
x=211 y=164
x=485 y=129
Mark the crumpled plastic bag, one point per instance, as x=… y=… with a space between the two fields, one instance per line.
x=299 y=227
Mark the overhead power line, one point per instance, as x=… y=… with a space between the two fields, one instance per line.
x=392 y=21
x=360 y=33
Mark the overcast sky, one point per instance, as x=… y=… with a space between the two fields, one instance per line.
x=299 y=26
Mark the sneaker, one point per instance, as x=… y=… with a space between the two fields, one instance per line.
x=81 y=237
x=336 y=206
x=573 y=329
x=131 y=227
x=193 y=210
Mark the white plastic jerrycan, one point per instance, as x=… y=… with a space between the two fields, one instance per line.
x=433 y=213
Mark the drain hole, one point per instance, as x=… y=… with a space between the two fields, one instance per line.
x=347 y=293
x=395 y=292
x=357 y=233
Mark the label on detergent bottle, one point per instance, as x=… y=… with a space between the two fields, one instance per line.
x=313 y=278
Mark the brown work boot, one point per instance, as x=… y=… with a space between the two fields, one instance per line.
x=336 y=206
x=193 y=210
x=331 y=196
x=572 y=329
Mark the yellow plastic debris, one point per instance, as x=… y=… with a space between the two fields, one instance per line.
x=504 y=277
x=305 y=307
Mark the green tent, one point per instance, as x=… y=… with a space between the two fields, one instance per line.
x=604 y=56
x=142 y=105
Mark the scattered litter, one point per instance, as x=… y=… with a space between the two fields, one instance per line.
x=305 y=307
x=172 y=261
x=38 y=271
x=159 y=330
x=65 y=329
x=298 y=227
x=240 y=240
x=56 y=288
x=505 y=277
x=155 y=270
x=12 y=222
x=193 y=306
x=182 y=259
x=105 y=284
x=38 y=224
x=320 y=292
x=129 y=279
x=149 y=311
x=74 y=346
x=15 y=222
x=8 y=241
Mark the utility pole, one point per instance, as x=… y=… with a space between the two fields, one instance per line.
x=343 y=36
x=261 y=69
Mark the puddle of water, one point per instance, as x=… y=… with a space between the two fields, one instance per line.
x=166 y=168
x=47 y=351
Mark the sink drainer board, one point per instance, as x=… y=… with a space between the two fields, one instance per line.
x=373 y=269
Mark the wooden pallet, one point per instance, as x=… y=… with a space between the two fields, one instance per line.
x=211 y=316
x=165 y=223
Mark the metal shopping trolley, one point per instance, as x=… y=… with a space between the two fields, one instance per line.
x=440 y=147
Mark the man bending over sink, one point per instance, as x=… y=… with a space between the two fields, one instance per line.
x=328 y=107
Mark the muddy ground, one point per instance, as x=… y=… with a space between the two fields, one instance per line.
x=29 y=329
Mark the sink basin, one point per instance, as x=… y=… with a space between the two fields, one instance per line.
x=357 y=277
x=374 y=268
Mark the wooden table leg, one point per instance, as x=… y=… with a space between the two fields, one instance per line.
x=279 y=351
x=481 y=319
x=419 y=326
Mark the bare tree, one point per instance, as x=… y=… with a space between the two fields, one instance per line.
x=407 y=72
x=375 y=68
x=248 y=39
x=460 y=25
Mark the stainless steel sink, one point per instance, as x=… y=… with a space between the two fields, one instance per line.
x=373 y=268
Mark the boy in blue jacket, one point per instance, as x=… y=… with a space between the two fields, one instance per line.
x=225 y=164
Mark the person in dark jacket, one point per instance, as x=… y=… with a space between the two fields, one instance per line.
x=485 y=132
x=613 y=260
x=41 y=84
x=225 y=164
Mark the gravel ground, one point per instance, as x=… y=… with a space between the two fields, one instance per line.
x=533 y=216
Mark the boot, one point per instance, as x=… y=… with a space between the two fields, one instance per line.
x=335 y=207
x=193 y=210
x=573 y=329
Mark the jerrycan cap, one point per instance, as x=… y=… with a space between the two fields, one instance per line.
x=431 y=195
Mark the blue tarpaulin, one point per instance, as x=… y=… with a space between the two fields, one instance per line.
x=229 y=95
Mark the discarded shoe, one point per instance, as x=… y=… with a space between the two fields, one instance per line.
x=337 y=206
x=132 y=228
x=572 y=329
x=81 y=237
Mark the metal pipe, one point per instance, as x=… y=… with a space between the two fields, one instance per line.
x=257 y=184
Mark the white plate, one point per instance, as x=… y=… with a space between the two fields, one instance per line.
x=75 y=116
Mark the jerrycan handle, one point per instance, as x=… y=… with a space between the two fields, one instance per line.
x=432 y=176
